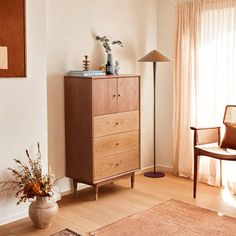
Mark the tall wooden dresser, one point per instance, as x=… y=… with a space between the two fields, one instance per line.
x=102 y=128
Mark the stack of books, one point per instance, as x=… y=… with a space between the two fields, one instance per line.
x=85 y=73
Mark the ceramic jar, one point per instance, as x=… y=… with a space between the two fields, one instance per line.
x=42 y=211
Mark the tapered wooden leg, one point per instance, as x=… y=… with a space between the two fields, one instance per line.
x=132 y=180
x=220 y=173
x=195 y=174
x=75 y=182
x=95 y=189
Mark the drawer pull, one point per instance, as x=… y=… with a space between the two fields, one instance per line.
x=117 y=164
x=117 y=144
x=117 y=123
x=114 y=95
x=118 y=95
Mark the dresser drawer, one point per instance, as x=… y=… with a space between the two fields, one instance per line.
x=117 y=143
x=117 y=164
x=116 y=123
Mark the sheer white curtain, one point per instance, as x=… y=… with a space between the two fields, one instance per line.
x=217 y=75
x=213 y=83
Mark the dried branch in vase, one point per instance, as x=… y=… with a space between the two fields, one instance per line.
x=28 y=180
x=106 y=43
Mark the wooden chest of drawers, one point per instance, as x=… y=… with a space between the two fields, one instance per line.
x=102 y=127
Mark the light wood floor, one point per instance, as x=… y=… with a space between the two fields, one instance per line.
x=81 y=214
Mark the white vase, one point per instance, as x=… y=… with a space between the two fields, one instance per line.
x=42 y=211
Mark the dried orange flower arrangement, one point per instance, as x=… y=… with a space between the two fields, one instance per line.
x=28 y=180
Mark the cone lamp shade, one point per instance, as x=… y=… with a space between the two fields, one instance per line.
x=154 y=56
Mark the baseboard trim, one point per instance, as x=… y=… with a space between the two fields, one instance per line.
x=70 y=191
x=67 y=190
x=13 y=218
x=164 y=168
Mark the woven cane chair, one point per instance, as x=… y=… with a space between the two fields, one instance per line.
x=225 y=150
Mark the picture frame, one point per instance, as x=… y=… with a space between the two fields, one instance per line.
x=12 y=39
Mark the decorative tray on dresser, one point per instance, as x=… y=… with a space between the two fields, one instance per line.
x=102 y=128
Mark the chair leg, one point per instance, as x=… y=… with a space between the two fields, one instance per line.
x=220 y=173
x=195 y=174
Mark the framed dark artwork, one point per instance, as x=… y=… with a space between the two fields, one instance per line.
x=12 y=38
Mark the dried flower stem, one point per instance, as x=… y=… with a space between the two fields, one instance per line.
x=106 y=43
x=28 y=180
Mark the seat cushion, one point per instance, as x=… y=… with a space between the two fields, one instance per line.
x=216 y=152
x=229 y=140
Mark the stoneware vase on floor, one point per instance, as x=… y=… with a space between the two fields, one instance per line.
x=42 y=211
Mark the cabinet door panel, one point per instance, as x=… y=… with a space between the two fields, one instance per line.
x=104 y=96
x=128 y=94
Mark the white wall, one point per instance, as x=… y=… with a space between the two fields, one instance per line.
x=166 y=25
x=71 y=27
x=142 y=25
x=23 y=107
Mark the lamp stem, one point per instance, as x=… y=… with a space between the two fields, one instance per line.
x=154 y=116
x=154 y=173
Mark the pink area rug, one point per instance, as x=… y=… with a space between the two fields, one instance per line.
x=66 y=232
x=171 y=218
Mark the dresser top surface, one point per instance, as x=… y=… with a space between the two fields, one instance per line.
x=102 y=76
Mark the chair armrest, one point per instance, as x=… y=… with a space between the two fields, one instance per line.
x=206 y=135
x=203 y=128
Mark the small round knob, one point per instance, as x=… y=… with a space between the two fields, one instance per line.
x=117 y=123
x=117 y=164
x=114 y=95
x=118 y=95
x=117 y=144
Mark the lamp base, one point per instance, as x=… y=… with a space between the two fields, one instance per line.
x=154 y=174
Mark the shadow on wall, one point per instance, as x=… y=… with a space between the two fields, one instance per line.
x=98 y=54
x=56 y=139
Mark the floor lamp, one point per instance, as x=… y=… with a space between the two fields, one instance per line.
x=154 y=56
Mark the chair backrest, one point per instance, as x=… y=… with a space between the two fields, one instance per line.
x=230 y=115
x=206 y=136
